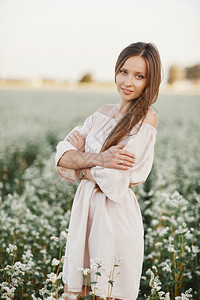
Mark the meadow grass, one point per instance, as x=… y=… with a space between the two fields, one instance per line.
x=35 y=202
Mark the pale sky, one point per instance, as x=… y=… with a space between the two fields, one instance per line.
x=64 y=39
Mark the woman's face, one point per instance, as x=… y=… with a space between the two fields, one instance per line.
x=131 y=78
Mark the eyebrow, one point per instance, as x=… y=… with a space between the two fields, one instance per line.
x=138 y=72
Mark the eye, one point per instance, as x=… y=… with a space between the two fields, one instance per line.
x=140 y=76
x=123 y=72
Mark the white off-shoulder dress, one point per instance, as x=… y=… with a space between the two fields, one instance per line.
x=107 y=223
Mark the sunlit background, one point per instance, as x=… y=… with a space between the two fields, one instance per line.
x=62 y=39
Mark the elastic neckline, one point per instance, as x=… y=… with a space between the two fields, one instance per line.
x=144 y=123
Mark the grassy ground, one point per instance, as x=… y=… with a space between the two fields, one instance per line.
x=35 y=202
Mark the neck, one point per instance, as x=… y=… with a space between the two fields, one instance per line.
x=123 y=107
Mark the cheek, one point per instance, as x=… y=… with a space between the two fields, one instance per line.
x=141 y=86
x=118 y=80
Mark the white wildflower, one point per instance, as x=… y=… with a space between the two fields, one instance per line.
x=64 y=235
x=154 y=282
x=11 y=248
x=165 y=218
x=117 y=259
x=10 y=292
x=187 y=248
x=35 y=298
x=189 y=235
x=161 y=294
x=171 y=248
x=198 y=273
x=154 y=222
x=195 y=249
x=55 y=262
x=163 y=231
x=182 y=297
x=149 y=272
x=181 y=230
x=27 y=256
x=96 y=263
x=54 y=238
x=167 y=296
x=43 y=291
x=185 y=296
x=154 y=268
x=84 y=271
x=167 y=268
x=52 y=277
x=149 y=256
x=43 y=251
x=93 y=266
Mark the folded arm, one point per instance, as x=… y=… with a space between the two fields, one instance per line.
x=116 y=157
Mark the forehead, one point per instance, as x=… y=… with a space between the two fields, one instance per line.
x=135 y=64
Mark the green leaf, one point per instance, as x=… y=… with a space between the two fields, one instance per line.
x=98 y=273
x=89 y=297
x=111 y=282
x=93 y=282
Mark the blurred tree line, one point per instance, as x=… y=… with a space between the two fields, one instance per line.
x=86 y=78
x=177 y=73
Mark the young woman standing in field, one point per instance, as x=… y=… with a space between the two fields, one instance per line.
x=113 y=150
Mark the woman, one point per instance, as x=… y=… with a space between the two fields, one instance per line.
x=113 y=150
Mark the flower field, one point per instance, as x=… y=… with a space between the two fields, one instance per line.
x=35 y=202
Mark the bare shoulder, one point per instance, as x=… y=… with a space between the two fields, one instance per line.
x=106 y=109
x=152 y=117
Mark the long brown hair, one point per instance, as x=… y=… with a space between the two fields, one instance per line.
x=138 y=108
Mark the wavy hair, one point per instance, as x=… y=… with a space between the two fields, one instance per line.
x=138 y=108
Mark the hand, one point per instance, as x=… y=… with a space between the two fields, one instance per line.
x=77 y=140
x=117 y=158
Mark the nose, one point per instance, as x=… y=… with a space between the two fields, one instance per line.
x=128 y=82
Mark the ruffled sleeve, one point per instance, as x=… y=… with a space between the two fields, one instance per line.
x=64 y=146
x=115 y=183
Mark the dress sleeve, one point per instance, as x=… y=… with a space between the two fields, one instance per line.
x=64 y=146
x=115 y=183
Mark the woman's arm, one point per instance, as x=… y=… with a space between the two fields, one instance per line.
x=115 y=157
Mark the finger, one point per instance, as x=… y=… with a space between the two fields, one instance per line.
x=80 y=134
x=121 y=167
x=71 y=138
x=77 y=133
x=125 y=163
x=74 y=137
x=127 y=153
x=127 y=158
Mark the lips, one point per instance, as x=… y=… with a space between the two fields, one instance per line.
x=126 y=91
